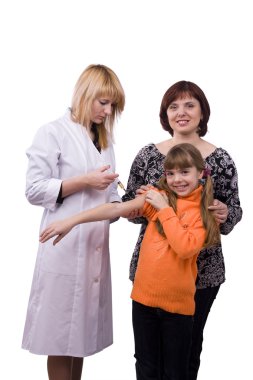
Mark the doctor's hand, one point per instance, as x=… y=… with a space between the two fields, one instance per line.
x=60 y=228
x=220 y=211
x=101 y=178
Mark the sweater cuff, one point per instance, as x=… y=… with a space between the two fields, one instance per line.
x=166 y=214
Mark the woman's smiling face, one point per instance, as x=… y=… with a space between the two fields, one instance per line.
x=184 y=115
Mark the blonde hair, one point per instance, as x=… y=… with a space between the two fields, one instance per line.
x=97 y=81
x=184 y=156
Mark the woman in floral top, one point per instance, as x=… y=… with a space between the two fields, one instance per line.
x=184 y=113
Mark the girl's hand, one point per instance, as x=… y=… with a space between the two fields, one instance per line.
x=156 y=199
x=60 y=228
x=220 y=211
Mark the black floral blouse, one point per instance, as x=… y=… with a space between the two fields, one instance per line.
x=147 y=168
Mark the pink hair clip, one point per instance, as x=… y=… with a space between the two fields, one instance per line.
x=207 y=172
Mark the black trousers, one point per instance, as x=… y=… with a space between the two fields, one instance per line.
x=204 y=299
x=160 y=334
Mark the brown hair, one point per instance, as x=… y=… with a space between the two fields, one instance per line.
x=179 y=90
x=184 y=156
x=97 y=81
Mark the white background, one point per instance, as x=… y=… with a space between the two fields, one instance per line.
x=45 y=45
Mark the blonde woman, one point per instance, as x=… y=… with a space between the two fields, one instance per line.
x=72 y=168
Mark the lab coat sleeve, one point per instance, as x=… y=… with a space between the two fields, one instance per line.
x=114 y=195
x=43 y=181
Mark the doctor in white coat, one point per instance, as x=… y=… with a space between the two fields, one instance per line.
x=72 y=168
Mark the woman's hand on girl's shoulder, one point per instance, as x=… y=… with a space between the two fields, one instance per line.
x=143 y=189
x=220 y=211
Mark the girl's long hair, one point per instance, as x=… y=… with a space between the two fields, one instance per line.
x=184 y=156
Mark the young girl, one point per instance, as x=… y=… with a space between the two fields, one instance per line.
x=180 y=225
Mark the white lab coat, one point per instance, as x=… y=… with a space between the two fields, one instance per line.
x=70 y=306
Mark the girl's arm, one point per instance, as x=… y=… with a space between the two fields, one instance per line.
x=139 y=176
x=186 y=240
x=103 y=212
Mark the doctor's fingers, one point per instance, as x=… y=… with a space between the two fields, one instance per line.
x=103 y=185
x=110 y=176
x=104 y=168
x=107 y=179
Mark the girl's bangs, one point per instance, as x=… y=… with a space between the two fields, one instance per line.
x=180 y=160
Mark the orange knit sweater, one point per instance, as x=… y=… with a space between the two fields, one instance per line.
x=167 y=269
